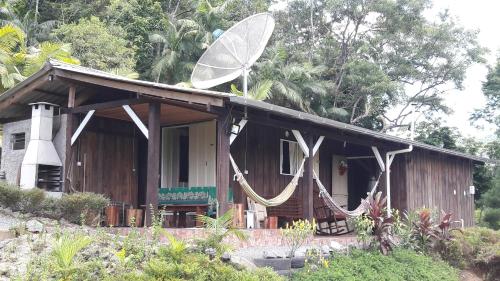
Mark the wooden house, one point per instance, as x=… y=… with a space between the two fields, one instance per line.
x=145 y=143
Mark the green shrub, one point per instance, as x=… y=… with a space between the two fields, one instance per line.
x=10 y=196
x=477 y=248
x=199 y=267
x=218 y=229
x=31 y=200
x=21 y=200
x=82 y=206
x=491 y=216
x=50 y=208
x=297 y=234
x=75 y=207
x=400 y=264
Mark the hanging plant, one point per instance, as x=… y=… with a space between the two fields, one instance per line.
x=342 y=167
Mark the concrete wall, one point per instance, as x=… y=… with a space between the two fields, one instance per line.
x=12 y=159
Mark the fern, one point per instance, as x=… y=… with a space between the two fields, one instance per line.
x=65 y=250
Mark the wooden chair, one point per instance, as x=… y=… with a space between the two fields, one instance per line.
x=329 y=222
x=259 y=211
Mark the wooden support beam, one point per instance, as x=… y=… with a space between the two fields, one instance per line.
x=70 y=123
x=107 y=105
x=136 y=120
x=80 y=128
x=223 y=149
x=142 y=89
x=153 y=174
x=308 y=181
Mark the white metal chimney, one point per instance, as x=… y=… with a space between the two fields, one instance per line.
x=41 y=150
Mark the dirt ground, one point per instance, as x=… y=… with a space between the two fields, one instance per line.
x=466 y=275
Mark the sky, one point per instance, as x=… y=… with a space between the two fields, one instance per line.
x=483 y=16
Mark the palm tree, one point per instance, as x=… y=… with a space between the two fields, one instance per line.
x=17 y=61
x=218 y=229
x=182 y=43
x=175 y=49
x=35 y=32
x=45 y=51
x=294 y=84
x=11 y=55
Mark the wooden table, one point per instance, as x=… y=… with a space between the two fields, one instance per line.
x=181 y=210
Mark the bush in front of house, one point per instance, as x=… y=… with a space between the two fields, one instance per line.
x=19 y=200
x=476 y=248
x=400 y=264
x=82 y=207
x=76 y=207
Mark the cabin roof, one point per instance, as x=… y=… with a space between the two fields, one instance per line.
x=35 y=89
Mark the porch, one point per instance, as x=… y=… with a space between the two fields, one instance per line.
x=118 y=145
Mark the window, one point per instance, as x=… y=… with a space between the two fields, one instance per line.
x=18 y=141
x=290 y=157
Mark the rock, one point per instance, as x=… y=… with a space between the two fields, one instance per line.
x=34 y=226
x=325 y=249
x=211 y=253
x=298 y=262
x=275 y=264
x=337 y=247
x=4 y=269
x=301 y=252
x=243 y=262
x=269 y=255
x=226 y=257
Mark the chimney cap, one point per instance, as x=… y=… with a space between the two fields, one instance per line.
x=43 y=103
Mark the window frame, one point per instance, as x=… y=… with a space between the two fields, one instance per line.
x=281 y=156
x=15 y=140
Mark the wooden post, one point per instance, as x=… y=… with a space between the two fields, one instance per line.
x=153 y=173
x=70 y=120
x=308 y=181
x=223 y=149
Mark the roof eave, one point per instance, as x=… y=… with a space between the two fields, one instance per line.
x=298 y=115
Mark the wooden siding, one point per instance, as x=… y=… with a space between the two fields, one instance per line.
x=106 y=151
x=434 y=181
x=260 y=146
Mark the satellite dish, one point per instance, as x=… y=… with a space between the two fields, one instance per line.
x=234 y=52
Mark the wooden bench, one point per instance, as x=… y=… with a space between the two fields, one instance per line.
x=289 y=211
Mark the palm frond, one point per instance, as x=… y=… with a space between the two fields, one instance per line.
x=261 y=90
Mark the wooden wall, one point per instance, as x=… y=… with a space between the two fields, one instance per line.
x=107 y=152
x=262 y=146
x=434 y=180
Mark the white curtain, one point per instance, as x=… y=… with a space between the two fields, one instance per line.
x=296 y=156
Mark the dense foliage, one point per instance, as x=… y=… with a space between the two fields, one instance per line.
x=76 y=255
x=349 y=60
x=476 y=248
x=364 y=265
x=80 y=207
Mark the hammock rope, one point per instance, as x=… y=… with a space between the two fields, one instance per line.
x=330 y=202
x=276 y=201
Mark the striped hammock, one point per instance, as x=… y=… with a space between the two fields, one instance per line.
x=334 y=206
x=276 y=201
